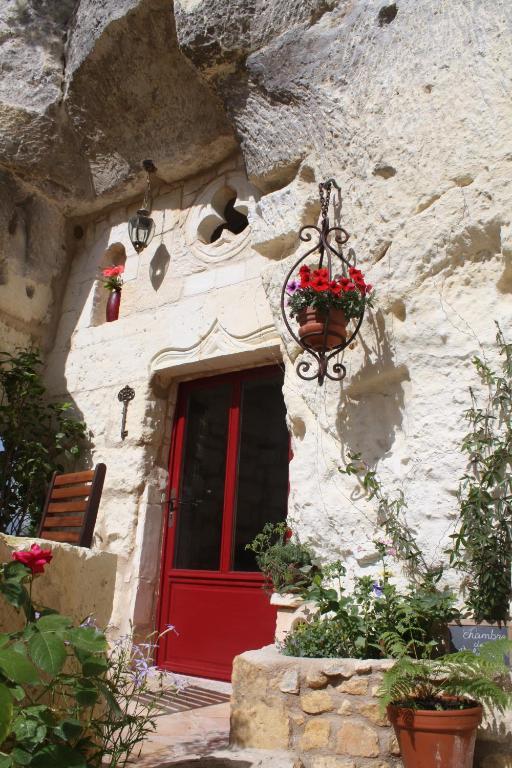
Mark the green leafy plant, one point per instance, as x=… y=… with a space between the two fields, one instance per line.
x=286 y=563
x=368 y=620
x=454 y=681
x=482 y=547
x=66 y=698
x=37 y=438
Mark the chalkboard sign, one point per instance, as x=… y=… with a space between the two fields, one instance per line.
x=470 y=637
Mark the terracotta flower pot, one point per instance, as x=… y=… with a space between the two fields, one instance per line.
x=113 y=302
x=436 y=739
x=320 y=330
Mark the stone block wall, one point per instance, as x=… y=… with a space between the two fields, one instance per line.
x=78 y=582
x=327 y=714
x=324 y=710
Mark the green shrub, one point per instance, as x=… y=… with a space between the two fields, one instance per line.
x=374 y=619
x=37 y=439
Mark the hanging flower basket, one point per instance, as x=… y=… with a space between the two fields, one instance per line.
x=323 y=307
x=322 y=329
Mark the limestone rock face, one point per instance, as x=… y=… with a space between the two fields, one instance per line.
x=106 y=87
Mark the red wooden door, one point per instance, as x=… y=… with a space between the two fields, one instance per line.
x=228 y=477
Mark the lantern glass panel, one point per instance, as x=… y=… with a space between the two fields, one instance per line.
x=141 y=229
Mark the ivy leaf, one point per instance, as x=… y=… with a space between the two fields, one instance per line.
x=16 y=571
x=21 y=756
x=94 y=665
x=6 y=712
x=87 y=639
x=48 y=652
x=15 y=593
x=58 y=756
x=53 y=622
x=68 y=729
x=18 y=668
x=85 y=693
x=29 y=731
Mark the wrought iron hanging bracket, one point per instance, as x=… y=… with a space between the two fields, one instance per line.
x=324 y=234
x=125 y=395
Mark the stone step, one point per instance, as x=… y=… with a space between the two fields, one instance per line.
x=237 y=758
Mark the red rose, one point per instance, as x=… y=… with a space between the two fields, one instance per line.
x=34 y=558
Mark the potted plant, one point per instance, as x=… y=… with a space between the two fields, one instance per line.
x=113 y=282
x=323 y=307
x=286 y=564
x=436 y=705
x=289 y=571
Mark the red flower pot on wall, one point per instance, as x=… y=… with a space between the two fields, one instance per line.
x=322 y=330
x=113 y=303
x=436 y=739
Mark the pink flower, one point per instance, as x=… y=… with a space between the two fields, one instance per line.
x=34 y=558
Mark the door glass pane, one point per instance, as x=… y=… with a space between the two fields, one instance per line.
x=201 y=494
x=262 y=493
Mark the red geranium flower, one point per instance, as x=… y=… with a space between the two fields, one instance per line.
x=322 y=273
x=113 y=271
x=320 y=283
x=34 y=558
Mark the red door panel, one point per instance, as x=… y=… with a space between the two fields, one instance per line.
x=228 y=476
x=218 y=620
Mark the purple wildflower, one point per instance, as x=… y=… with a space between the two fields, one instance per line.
x=377 y=590
x=89 y=622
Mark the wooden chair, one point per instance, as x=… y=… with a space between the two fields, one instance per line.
x=71 y=506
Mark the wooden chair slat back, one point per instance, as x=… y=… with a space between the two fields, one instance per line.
x=71 y=506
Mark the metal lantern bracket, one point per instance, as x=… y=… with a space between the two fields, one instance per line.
x=326 y=250
x=141 y=227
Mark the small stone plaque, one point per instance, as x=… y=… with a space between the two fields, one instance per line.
x=469 y=637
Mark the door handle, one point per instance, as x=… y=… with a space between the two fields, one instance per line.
x=171 y=507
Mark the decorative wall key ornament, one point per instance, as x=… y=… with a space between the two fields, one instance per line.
x=124 y=396
x=323 y=297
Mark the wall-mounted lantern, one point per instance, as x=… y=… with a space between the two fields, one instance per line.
x=320 y=300
x=141 y=227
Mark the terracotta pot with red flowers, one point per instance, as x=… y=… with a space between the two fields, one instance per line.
x=113 y=281
x=323 y=307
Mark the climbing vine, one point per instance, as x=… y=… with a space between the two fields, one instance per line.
x=482 y=546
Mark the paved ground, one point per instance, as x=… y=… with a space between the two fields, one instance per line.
x=189 y=733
